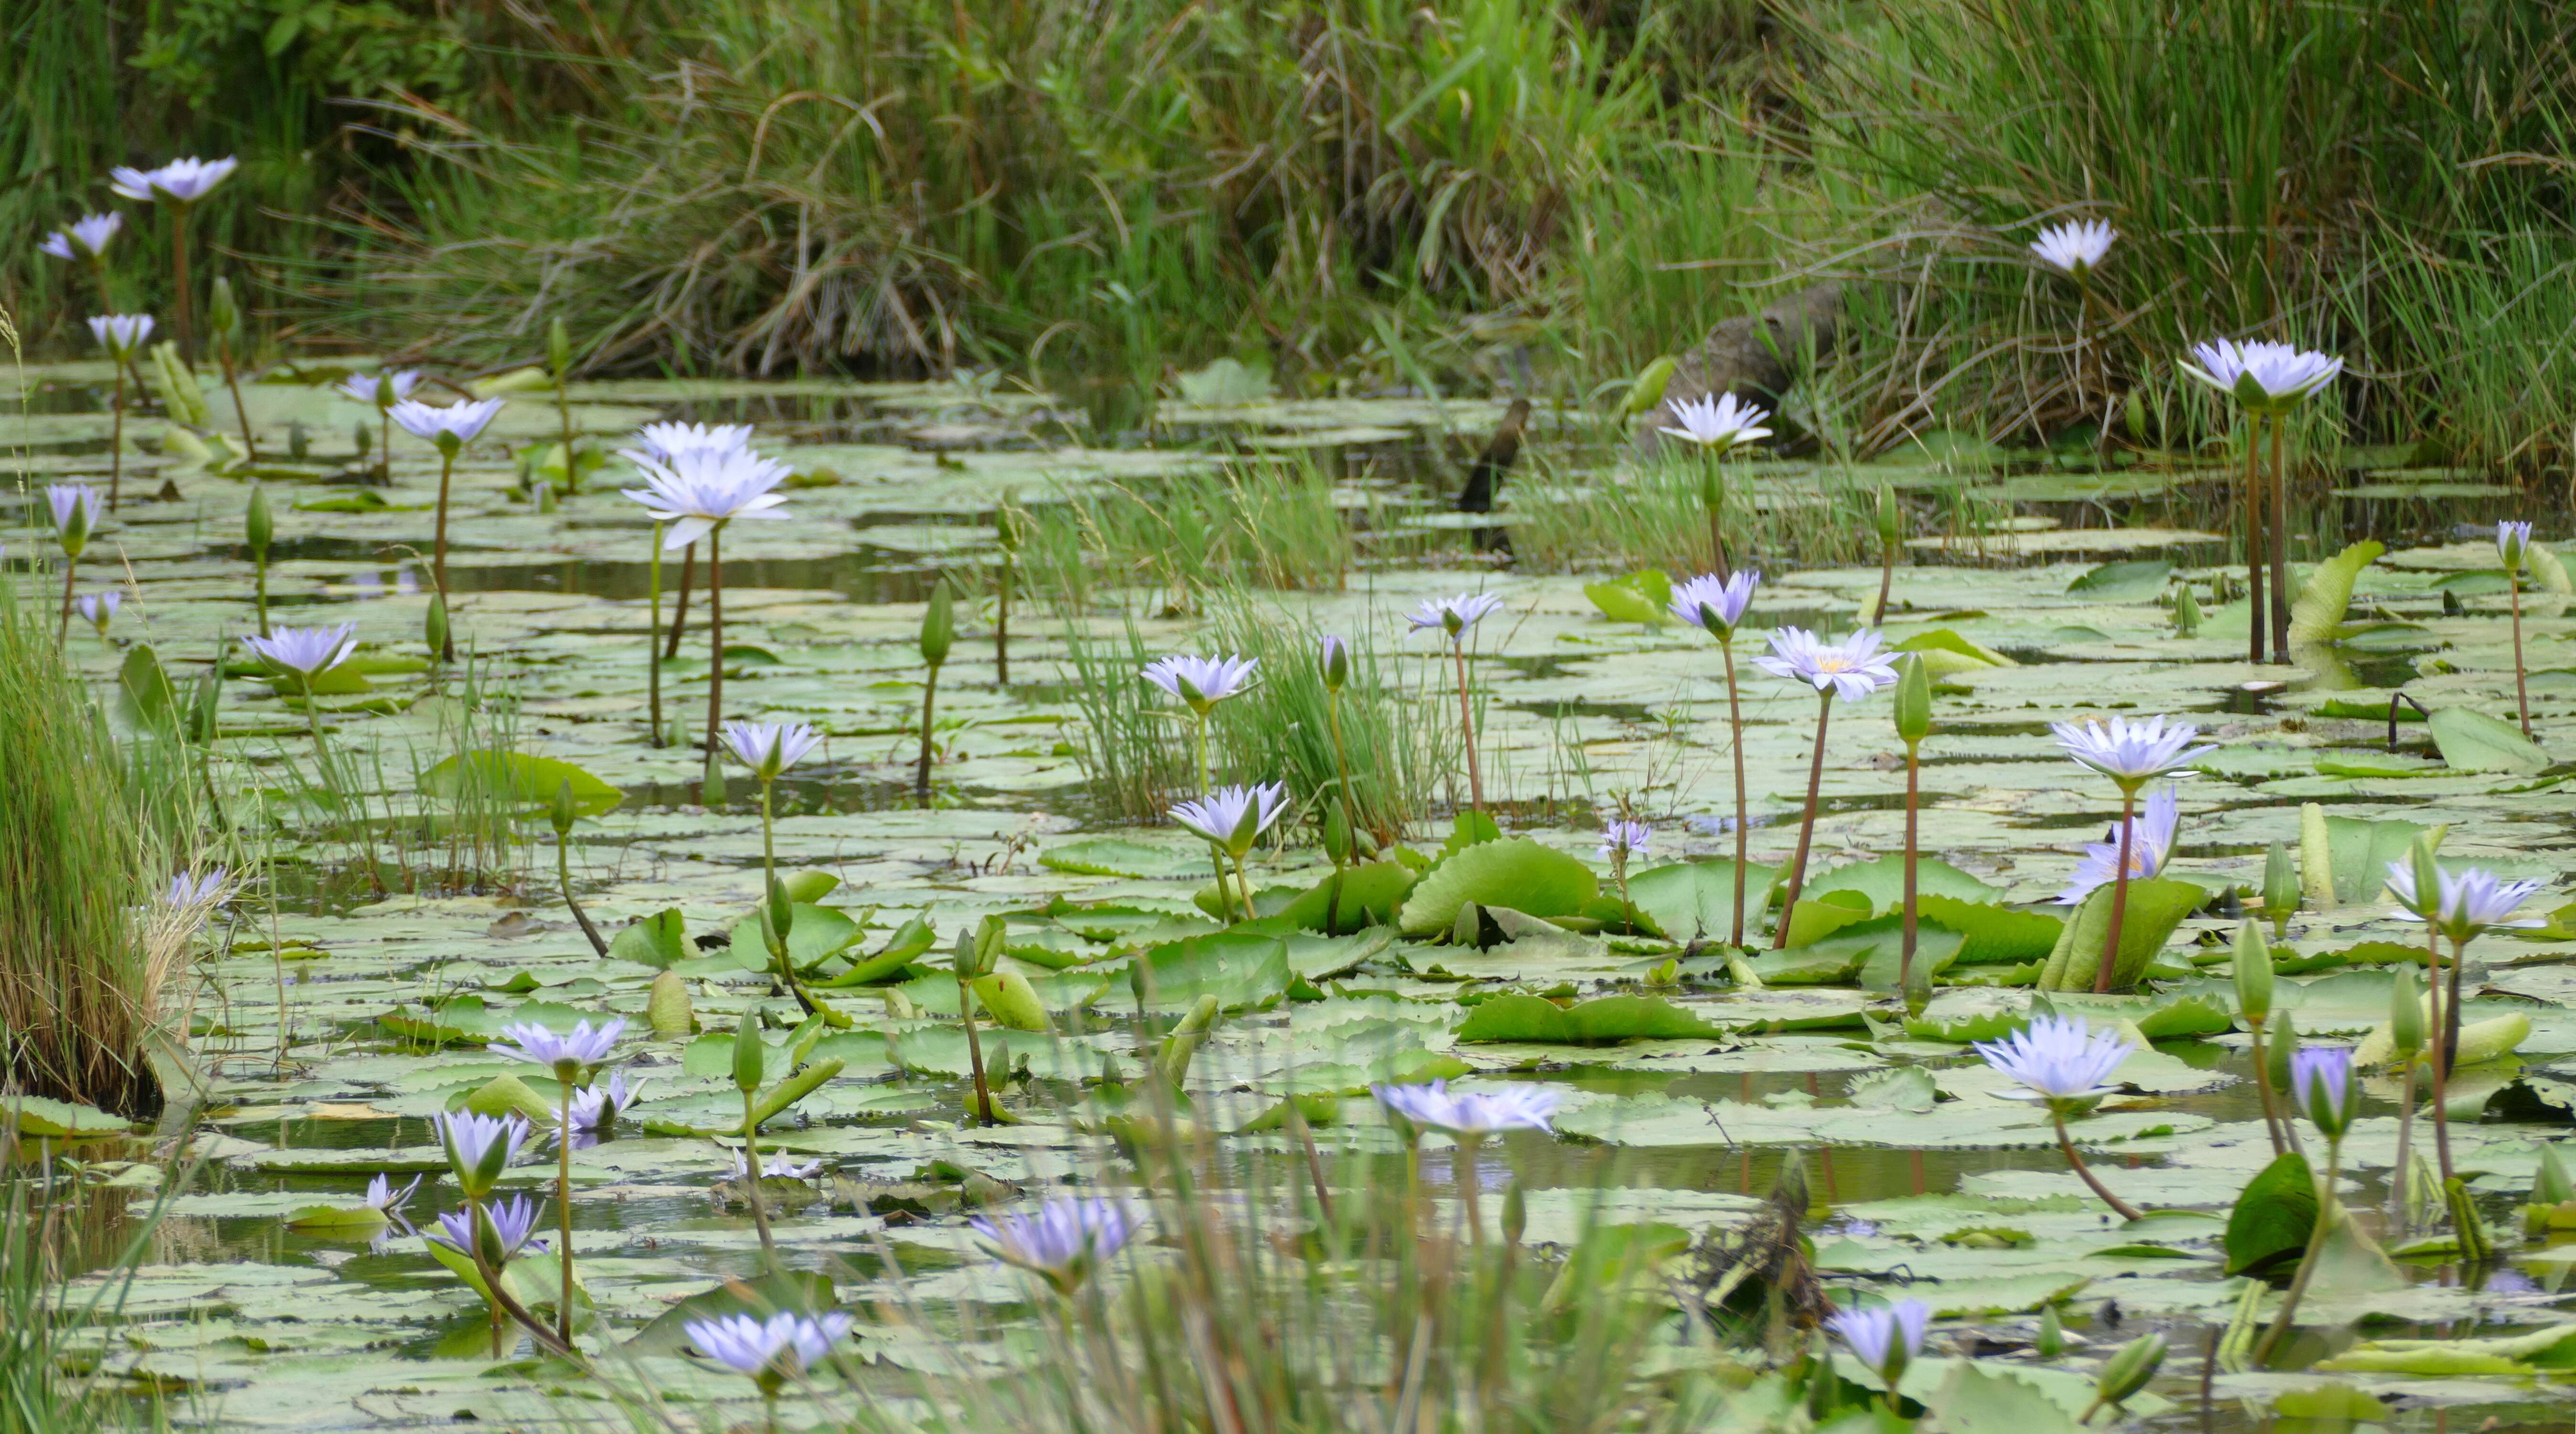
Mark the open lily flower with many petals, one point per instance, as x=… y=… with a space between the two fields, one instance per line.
x=122 y=335
x=1715 y=603
x=564 y=1052
x=1063 y=1240
x=2075 y=247
x=666 y=441
x=85 y=239
x=450 y=427
x=2151 y=839
x=703 y=487
x=2264 y=377
x=381 y=390
x=1717 y=421
x=2059 y=1059
x=1625 y=840
x=2131 y=753
x=181 y=181
x=1851 y=669
x=2472 y=899
x=769 y=748
x=1885 y=1337
x=307 y=652
x=770 y=1350
x=1203 y=682
x=512 y=1222
x=1233 y=818
x=1472 y=1114
x=1452 y=615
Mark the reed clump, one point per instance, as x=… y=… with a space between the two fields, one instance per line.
x=83 y=976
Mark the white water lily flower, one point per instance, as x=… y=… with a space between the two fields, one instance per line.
x=595 y=1108
x=181 y=181
x=370 y=388
x=581 y=1046
x=769 y=748
x=2513 y=544
x=2130 y=753
x=1715 y=603
x=99 y=609
x=2059 y=1058
x=1851 y=669
x=1233 y=818
x=2263 y=376
x=382 y=1196
x=1718 y=421
x=1452 y=615
x=1624 y=839
x=1471 y=1113
x=1885 y=1337
x=122 y=335
x=1063 y=1240
x=776 y=1167
x=1203 y=682
x=2151 y=839
x=85 y=239
x=450 y=427
x=703 y=487
x=666 y=441
x=513 y=1221
x=2076 y=247
x=771 y=1350
x=2471 y=900
x=307 y=652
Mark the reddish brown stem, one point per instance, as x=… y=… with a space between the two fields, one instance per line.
x=1807 y=827
x=2119 y=896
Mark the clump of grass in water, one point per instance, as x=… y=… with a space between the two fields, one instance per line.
x=1271 y=524
x=1652 y=517
x=79 y=992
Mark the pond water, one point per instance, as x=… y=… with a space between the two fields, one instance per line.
x=403 y=929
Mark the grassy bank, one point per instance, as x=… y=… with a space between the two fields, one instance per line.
x=1365 y=191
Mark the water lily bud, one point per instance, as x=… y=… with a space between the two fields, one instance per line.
x=559 y=349
x=563 y=813
x=258 y=527
x=991 y=935
x=223 y=316
x=782 y=907
x=386 y=396
x=2280 y=1042
x=1913 y=699
x=966 y=956
x=772 y=940
x=365 y=438
x=299 y=440
x=434 y=626
x=2280 y=886
x=2405 y=1015
x=2051 y=1342
x=2428 y=877
x=747 y=1054
x=449 y=444
x=1337 y=835
x=74 y=532
x=1918 y=988
x=1891 y=518
x=2513 y=540
x=2253 y=975
x=1647 y=389
x=2551 y=1185
x=938 y=625
x=1335 y=657
x=2187 y=613
x=2127 y=1371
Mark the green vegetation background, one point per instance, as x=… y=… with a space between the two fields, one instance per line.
x=1362 y=190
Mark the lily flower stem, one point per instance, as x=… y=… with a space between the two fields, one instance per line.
x=1717 y=529
x=921 y=768
x=2280 y=547
x=715 y=638
x=2083 y=1172
x=753 y=1166
x=1314 y=1160
x=563 y=878
x=2441 y=1053
x=2326 y=1211
x=506 y=1309
x=2119 y=893
x=116 y=442
x=2254 y=625
x=974 y=1052
x=1207 y=778
x=1243 y=885
x=680 y=608
x=1913 y=773
x=259 y=592
x=1467 y=728
x=1341 y=762
x=185 y=305
x=1464 y=1173
x=2405 y=1147
x=563 y=416
x=563 y=1206
x=1735 y=740
x=1619 y=869
x=438 y=544
x=385 y=444
x=1806 y=826
x=1224 y=899
x=232 y=381
x=1002 y=625
x=2521 y=686
x=2273 y=1120
x=653 y=639
x=63 y=628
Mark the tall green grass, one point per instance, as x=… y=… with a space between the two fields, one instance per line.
x=1272 y=522
x=81 y=988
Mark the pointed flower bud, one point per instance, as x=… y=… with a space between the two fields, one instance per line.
x=2280 y=885
x=558 y=348
x=259 y=527
x=1913 y=699
x=2187 y=613
x=2253 y=975
x=2405 y=1015
x=2550 y=1185
x=782 y=909
x=433 y=628
x=2127 y=1372
x=563 y=811
x=1335 y=659
x=747 y=1054
x=1337 y=835
x=2280 y=1043
x=2322 y=1084
x=1891 y=518
x=223 y=316
x=938 y=624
